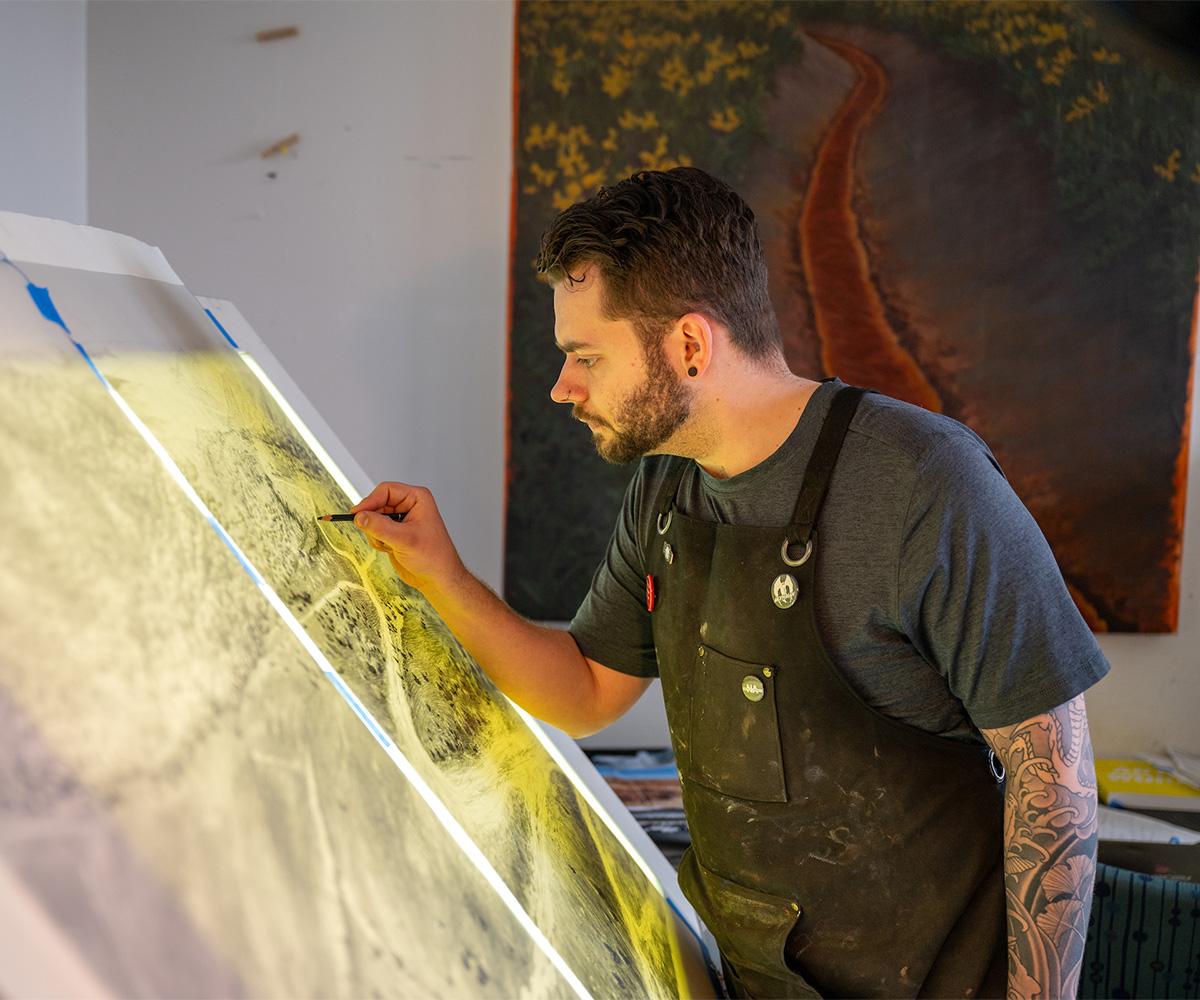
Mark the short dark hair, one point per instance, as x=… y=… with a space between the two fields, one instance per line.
x=668 y=243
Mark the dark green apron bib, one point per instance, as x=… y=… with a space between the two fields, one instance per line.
x=835 y=851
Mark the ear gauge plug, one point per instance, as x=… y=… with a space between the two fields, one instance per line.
x=692 y=372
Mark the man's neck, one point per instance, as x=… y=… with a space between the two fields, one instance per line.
x=746 y=423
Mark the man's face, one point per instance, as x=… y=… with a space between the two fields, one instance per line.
x=632 y=400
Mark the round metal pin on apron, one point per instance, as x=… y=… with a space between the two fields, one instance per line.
x=784 y=590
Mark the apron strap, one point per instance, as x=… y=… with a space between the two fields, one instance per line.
x=664 y=500
x=820 y=464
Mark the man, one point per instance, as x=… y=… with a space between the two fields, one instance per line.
x=857 y=624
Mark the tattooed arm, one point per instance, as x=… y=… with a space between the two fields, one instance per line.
x=1050 y=837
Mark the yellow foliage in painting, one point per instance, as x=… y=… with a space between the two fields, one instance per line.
x=540 y=138
x=660 y=150
x=1168 y=170
x=725 y=120
x=1084 y=105
x=567 y=197
x=560 y=83
x=631 y=120
x=1081 y=108
x=571 y=161
x=609 y=142
x=1048 y=34
x=737 y=73
x=674 y=76
x=658 y=158
x=1194 y=176
x=1103 y=55
x=616 y=81
x=540 y=174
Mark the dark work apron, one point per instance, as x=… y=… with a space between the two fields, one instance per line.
x=835 y=851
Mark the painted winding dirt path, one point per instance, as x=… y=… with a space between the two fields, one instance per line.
x=857 y=341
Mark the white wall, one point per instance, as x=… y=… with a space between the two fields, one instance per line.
x=43 y=167
x=375 y=263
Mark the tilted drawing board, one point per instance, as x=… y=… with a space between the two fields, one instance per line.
x=238 y=756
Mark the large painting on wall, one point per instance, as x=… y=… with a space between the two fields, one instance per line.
x=990 y=210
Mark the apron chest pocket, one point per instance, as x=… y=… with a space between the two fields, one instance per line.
x=734 y=739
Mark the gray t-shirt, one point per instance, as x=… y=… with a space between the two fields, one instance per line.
x=936 y=592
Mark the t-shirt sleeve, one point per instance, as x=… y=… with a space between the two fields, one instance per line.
x=612 y=625
x=981 y=596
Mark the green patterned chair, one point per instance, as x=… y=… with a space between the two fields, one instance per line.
x=1143 y=937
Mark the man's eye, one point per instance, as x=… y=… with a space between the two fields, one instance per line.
x=587 y=362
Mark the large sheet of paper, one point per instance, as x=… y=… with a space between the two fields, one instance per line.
x=237 y=754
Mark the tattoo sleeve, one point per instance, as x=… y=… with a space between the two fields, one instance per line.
x=1050 y=834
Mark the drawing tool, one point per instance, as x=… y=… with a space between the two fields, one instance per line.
x=350 y=517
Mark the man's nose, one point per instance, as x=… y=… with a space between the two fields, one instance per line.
x=565 y=390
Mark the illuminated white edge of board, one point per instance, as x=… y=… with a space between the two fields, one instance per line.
x=31 y=239
x=564 y=750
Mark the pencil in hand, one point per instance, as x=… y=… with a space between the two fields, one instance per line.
x=350 y=517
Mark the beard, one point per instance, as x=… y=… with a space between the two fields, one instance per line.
x=647 y=417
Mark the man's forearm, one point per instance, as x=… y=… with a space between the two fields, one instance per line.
x=1050 y=834
x=539 y=668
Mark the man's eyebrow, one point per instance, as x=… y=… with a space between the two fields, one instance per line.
x=571 y=346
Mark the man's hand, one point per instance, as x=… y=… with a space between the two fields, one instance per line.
x=542 y=669
x=1050 y=833
x=419 y=546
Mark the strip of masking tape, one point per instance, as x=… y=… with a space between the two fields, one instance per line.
x=31 y=239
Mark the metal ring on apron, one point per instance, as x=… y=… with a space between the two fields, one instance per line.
x=662 y=528
x=796 y=562
x=993 y=762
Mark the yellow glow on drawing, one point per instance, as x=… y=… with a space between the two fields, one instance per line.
x=347 y=487
x=451 y=825
x=526 y=820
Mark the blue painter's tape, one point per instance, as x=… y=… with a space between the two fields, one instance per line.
x=224 y=332
x=41 y=299
x=90 y=363
x=224 y=535
x=352 y=701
